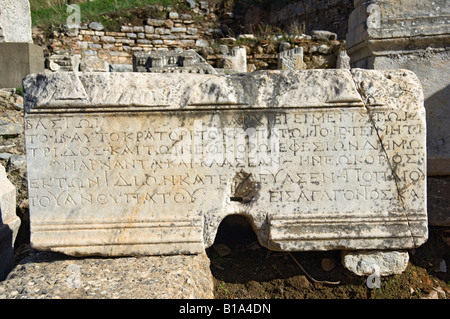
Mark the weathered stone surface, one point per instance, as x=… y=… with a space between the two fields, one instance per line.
x=138 y=163
x=121 y=68
x=46 y=275
x=9 y=223
x=8 y=128
x=15 y=21
x=381 y=263
x=412 y=35
x=191 y=3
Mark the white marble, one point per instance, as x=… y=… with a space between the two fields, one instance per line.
x=135 y=163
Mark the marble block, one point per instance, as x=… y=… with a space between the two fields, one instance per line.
x=150 y=163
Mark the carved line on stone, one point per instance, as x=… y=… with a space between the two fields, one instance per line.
x=338 y=238
x=139 y=221
x=348 y=221
x=48 y=228
x=141 y=243
x=191 y=107
x=331 y=216
x=134 y=249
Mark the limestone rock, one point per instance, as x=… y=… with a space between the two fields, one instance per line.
x=121 y=68
x=191 y=3
x=63 y=63
x=365 y=263
x=10 y=129
x=97 y=26
x=284 y=46
x=187 y=61
x=343 y=60
x=223 y=49
x=291 y=59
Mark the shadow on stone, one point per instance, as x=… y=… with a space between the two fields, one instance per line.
x=235 y=230
x=6 y=250
x=438 y=134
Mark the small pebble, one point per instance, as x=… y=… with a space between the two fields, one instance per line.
x=328 y=264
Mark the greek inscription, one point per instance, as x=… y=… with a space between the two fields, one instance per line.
x=96 y=164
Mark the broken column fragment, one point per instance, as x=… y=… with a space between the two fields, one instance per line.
x=149 y=164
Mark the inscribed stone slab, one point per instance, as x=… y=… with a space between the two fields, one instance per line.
x=138 y=163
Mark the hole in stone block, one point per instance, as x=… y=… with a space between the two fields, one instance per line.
x=235 y=230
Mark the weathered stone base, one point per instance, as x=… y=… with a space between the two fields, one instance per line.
x=46 y=275
x=384 y=263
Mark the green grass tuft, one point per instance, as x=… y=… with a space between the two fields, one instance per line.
x=54 y=12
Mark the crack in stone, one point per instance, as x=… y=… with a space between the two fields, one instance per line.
x=364 y=99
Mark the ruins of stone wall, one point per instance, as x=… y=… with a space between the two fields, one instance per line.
x=310 y=15
x=202 y=30
x=176 y=30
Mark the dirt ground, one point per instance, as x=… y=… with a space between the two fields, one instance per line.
x=251 y=271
